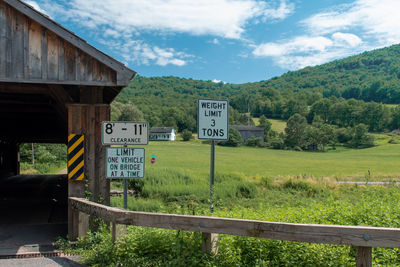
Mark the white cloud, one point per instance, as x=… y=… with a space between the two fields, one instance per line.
x=377 y=19
x=341 y=31
x=111 y=33
x=218 y=81
x=301 y=44
x=139 y=52
x=36 y=6
x=223 y=18
x=283 y=11
x=346 y=39
x=215 y=41
x=305 y=51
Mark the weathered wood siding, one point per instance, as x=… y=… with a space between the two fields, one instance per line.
x=31 y=53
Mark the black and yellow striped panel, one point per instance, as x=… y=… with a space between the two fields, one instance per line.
x=76 y=155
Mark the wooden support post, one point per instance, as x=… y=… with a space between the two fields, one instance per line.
x=83 y=224
x=364 y=257
x=86 y=119
x=73 y=221
x=118 y=231
x=210 y=243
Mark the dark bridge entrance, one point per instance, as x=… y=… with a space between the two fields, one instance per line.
x=52 y=84
x=34 y=213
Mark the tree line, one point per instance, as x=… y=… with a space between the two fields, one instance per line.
x=300 y=135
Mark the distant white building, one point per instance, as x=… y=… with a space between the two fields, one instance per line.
x=162 y=134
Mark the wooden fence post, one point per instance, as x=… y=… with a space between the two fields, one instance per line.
x=364 y=257
x=83 y=224
x=118 y=230
x=210 y=243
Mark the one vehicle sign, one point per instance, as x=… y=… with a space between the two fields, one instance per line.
x=212 y=119
x=125 y=162
x=124 y=133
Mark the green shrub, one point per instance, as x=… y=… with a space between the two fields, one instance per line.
x=187 y=135
x=235 y=139
x=277 y=143
x=253 y=141
x=300 y=185
x=233 y=186
x=136 y=185
x=266 y=181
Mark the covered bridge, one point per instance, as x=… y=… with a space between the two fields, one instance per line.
x=52 y=84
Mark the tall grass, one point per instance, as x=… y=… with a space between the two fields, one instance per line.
x=285 y=202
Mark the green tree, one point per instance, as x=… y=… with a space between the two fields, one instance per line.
x=395 y=123
x=266 y=124
x=360 y=137
x=235 y=139
x=295 y=129
x=322 y=109
x=129 y=112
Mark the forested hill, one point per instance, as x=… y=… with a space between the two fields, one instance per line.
x=370 y=76
x=339 y=87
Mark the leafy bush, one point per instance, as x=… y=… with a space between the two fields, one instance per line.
x=253 y=141
x=235 y=139
x=300 y=185
x=277 y=143
x=136 y=185
x=360 y=137
x=187 y=135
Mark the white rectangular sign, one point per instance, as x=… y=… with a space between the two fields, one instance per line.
x=124 y=133
x=212 y=119
x=125 y=162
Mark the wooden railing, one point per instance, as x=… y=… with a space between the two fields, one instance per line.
x=362 y=237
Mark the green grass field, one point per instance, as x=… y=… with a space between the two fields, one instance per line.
x=277 y=125
x=193 y=158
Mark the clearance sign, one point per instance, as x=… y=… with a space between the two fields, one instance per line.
x=213 y=119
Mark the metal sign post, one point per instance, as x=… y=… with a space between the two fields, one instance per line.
x=125 y=193
x=212 y=124
x=212 y=178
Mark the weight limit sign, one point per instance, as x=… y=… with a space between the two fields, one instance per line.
x=213 y=119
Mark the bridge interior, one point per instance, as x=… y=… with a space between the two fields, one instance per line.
x=33 y=208
x=34 y=212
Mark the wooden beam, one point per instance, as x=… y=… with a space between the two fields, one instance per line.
x=27 y=109
x=63 y=82
x=22 y=89
x=91 y=95
x=361 y=236
x=62 y=98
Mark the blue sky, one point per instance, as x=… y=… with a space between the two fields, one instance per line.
x=233 y=41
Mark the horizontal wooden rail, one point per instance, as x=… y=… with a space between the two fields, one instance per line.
x=360 y=236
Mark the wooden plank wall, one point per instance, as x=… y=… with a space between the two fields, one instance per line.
x=31 y=53
x=86 y=119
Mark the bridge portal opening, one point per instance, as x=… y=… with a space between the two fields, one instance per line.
x=33 y=203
